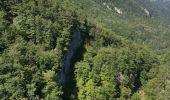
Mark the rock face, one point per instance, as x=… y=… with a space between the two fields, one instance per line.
x=109 y=7
x=75 y=44
x=115 y=8
x=146 y=11
x=118 y=10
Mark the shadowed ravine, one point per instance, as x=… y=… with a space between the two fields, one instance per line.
x=67 y=64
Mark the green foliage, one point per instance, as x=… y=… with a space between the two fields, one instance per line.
x=119 y=60
x=114 y=72
x=33 y=38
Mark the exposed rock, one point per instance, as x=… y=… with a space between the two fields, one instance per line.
x=109 y=7
x=118 y=10
x=146 y=11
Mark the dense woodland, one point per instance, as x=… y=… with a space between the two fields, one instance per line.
x=123 y=56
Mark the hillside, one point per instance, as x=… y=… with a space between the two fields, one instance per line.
x=84 y=50
x=133 y=23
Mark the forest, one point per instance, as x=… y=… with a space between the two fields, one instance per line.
x=84 y=50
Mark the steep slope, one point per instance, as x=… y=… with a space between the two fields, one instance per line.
x=139 y=22
x=34 y=36
x=122 y=54
x=133 y=23
x=164 y=10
